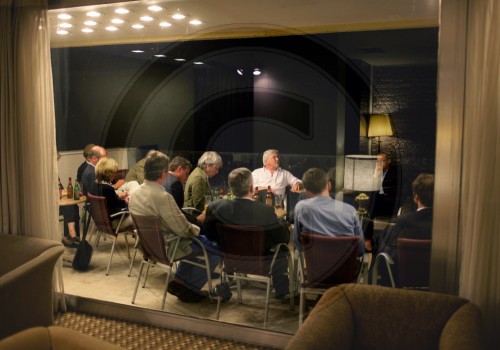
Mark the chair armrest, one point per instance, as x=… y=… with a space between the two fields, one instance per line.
x=388 y=262
x=122 y=214
x=191 y=211
x=276 y=249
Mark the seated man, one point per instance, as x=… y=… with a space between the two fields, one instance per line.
x=178 y=173
x=152 y=199
x=242 y=210
x=322 y=214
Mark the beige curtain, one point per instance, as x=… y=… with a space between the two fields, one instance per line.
x=29 y=201
x=480 y=219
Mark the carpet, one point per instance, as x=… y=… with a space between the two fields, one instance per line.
x=131 y=335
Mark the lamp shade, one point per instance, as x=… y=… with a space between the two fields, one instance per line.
x=380 y=125
x=359 y=173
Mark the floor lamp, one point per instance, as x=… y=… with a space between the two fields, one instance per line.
x=380 y=125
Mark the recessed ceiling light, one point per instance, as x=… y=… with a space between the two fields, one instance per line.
x=197 y=62
x=239 y=71
x=256 y=71
x=117 y=21
x=155 y=8
x=111 y=28
x=195 y=22
x=64 y=16
x=93 y=14
x=165 y=24
x=87 y=30
x=160 y=55
x=180 y=59
x=137 y=26
x=146 y=18
x=90 y=23
x=65 y=25
x=178 y=16
x=121 y=11
x=137 y=51
x=62 y=32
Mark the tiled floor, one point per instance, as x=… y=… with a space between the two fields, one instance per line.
x=118 y=288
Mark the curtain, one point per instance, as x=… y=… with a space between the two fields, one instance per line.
x=480 y=222
x=28 y=191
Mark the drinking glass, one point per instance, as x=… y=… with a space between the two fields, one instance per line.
x=278 y=201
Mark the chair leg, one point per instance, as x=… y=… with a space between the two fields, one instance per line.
x=165 y=290
x=301 y=307
x=268 y=292
x=238 y=287
x=291 y=281
x=146 y=277
x=138 y=280
x=132 y=263
x=111 y=255
x=126 y=243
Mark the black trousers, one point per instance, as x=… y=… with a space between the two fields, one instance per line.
x=71 y=213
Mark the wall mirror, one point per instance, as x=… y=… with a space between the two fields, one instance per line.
x=295 y=76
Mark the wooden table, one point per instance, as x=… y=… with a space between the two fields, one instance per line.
x=70 y=201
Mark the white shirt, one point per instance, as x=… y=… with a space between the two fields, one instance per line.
x=277 y=180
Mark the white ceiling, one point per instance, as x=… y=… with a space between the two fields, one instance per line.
x=237 y=18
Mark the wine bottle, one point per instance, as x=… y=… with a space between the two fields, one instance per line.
x=76 y=191
x=255 y=195
x=61 y=187
x=269 y=196
x=69 y=189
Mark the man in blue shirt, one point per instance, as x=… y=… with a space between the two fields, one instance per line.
x=323 y=215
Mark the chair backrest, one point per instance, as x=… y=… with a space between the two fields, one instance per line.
x=151 y=238
x=330 y=260
x=243 y=248
x=100 y=213
x=414 y=262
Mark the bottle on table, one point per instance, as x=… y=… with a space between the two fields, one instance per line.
x=269 y=196
x=255 y=195
x=69 y=189
x=61 y=187
x=76 y=191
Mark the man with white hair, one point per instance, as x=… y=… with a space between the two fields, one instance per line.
x=271 y=174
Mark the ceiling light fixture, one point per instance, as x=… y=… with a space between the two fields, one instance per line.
x=165 y=24
x=65 y=25
x=160 y=55
x=90 y=23
x=62 y=32
x=256 y=71
x=239 y=71
x=87 y=30
x=137 y=26
x=180 y=59
x=197 y=62
x=178 y=15
x=117 y=21
x=155 y=8
x=146 y=18
x=94 y=14
x=64 y=16
x=195 y=22
x=111 y=28
x=137 y=51
x=122 y=11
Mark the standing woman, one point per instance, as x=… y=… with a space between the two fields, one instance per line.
x=197 y=185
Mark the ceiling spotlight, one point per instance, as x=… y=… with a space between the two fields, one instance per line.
x=137 y=26
x=178 y=15
x=64 y=16
x=239 y=71
x=90 y=23
x=93 y=14
x=87 y=30
x=256 y=71
x=197 y=62
x=62 y=32
x=180 y=59
x=155 y=8
x=195 y=22
x=65 y=25
x=146 y=18
x=121 y=11
x=117 y=21
x=111 y=28
x=137 y=51
x=160 y=56
x=165 y=24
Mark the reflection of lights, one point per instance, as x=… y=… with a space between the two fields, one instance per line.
x=256 y=71
x=137 y=51
x=62 y=32
x=93 y=14
x=90 y=23
x=122 y=11
x=117 y=21
x=197 y=62
x=146 y=18
x=65 y=25
x=155 y=8
x=195 y=22
x=180 y=59
x=165 y=24
x=178 y=16
x=111 y=28
x=87 y=30
x=239 y=71
x=160 y=55
x=64 y=16
x=137 y=26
